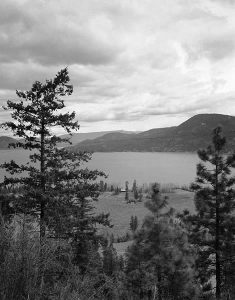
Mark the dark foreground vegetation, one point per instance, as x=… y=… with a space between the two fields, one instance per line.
x=50 y=247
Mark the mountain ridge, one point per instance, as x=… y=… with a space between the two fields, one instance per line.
x=189 y=136
x=75 y=138
x=82 y=136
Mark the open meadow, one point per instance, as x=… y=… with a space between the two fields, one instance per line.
x=120 y=211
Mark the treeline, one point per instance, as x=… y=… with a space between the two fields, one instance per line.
x=142 y=188
x=137 y=193
x=50 y=247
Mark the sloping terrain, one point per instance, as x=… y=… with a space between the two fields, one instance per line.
x=5 y=141
x=189 y=136
x=81 y=136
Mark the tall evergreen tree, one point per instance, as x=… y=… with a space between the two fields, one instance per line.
x=54 y=184
x=76 y=217
x=160 y=260
x=34 y=115
x=214 y=224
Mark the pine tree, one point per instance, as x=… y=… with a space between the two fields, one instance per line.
x=116 y=191
x=110 y=260
x=34 y=115
x=6 y=209
x=160 y=260
x=105 y=186
x=101 y=185
x=134 y=186
x=126 y=191
x=133 y=223
x=77 y=219
x=214 y=224
x=56 y=187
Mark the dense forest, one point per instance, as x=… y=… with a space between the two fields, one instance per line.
x=50 y=243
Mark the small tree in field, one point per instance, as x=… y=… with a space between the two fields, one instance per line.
x=214 y=224
x=126 y=191
x=134 y=186
x=133 y=223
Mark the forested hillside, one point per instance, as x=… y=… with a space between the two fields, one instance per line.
x=189 y=136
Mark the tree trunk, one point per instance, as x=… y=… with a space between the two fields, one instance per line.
x=217 y=235
x=42 y=170
x=1 y=216
x=159 y=279
x=218 y=273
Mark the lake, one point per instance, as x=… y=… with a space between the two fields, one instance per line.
x=145 y=167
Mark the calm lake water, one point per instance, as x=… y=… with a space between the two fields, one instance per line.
x=176 y=168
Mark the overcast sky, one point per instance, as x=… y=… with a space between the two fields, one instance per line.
x=134 y=64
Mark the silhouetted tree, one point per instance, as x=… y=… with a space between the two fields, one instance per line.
x=110 y=260
x=214 y=224
x=34 y=115
x=134 y=186
x=127 y=191
x=133 y=223
x=55 y=185
x=101 y=185
x=105 y=186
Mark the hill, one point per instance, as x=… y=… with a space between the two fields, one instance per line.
x=5 y=141
x=81 y=136
x=75 y=138
x=189 y=136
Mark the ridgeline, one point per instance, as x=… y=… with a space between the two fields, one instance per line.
x=191 y=135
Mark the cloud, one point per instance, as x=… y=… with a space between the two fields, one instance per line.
x=135 y=63
x=39 y=32
x=218 y=48
x=224 y=1
x=215 y=47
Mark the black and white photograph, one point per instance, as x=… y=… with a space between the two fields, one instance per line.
x=117 y=150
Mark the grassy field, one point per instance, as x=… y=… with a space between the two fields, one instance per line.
x=121 y=212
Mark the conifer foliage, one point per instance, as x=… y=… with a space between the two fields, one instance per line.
x=160 y=260
x=54 y=184
x=34 y=115
x=214 y=224
x=133 y=223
